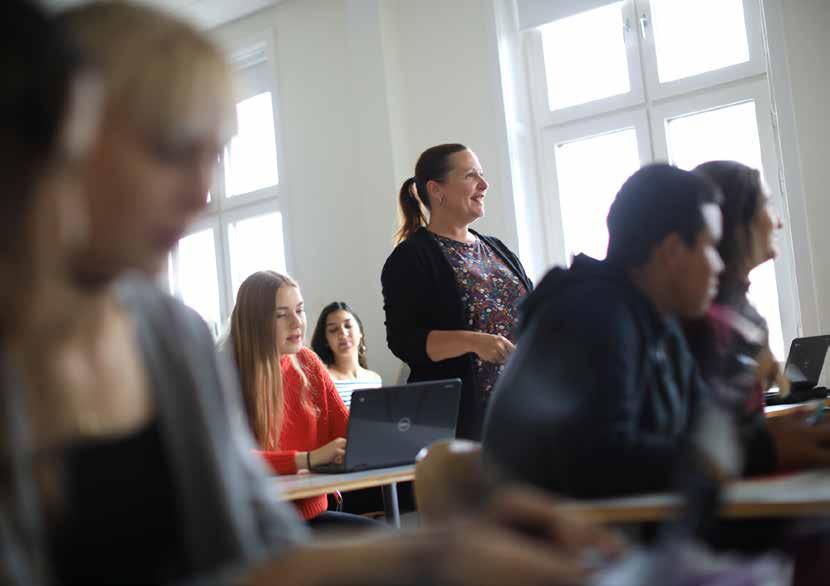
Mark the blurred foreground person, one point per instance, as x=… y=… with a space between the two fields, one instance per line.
x=125 y=453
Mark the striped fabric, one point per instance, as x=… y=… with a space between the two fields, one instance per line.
x=345 y=388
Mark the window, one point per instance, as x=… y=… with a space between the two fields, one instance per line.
x=616 y=84
x=194 y=264
x=677 y=36
x=251 y=157
x=598 y=36
x=241 y=230
x=255 y=244
x=582 y=189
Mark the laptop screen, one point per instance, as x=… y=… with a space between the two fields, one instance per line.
x=806 y=359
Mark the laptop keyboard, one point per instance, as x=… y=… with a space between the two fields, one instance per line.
x=330 y=468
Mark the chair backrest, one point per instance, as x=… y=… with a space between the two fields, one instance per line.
x=449 y=480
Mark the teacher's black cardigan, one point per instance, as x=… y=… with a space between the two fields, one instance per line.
x=420 y=295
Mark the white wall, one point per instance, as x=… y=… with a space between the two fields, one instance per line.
x=806 y=23
x=802 y=86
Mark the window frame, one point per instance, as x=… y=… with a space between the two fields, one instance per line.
x=222 y=211
x=703 y=81
x=571 y=132
x=683 y=96
x=200 y=224
x=539 y=84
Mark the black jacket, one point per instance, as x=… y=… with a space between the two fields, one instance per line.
x=598 y=397
x=420 y=295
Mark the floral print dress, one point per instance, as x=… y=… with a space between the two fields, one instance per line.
x=490 y=292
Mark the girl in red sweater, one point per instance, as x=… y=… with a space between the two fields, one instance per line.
x=295 y=412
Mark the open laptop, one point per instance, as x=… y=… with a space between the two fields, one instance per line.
x=390 y=425
x=803 y=369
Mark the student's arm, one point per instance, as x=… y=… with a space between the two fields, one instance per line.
x=494 y=549
x=284 y=461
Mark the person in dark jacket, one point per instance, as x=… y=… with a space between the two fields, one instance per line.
x=598 y=398
x=451 y=294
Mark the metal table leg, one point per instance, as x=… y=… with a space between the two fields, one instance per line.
x=390 y=504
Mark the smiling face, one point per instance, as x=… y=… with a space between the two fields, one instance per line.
x=343 y=334
x=291 y=320
x=461 y=195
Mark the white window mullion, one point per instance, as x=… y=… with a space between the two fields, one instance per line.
x=226 y=296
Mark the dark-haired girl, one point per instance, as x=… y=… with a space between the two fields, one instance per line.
x=339 y=342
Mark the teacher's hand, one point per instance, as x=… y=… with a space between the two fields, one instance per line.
x=493 y=348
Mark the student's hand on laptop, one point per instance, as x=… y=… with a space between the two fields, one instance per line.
x=332 y=452
x=493 y=348
x=799 y=445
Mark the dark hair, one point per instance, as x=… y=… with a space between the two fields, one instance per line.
x=321 y=346
x=37 y=68
x=742 y=196
x=656 y=201
x=432 y=165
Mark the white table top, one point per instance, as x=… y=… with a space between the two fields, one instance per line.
x=791 y=495
x=306 y=485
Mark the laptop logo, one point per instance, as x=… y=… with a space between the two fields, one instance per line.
x=404 y=424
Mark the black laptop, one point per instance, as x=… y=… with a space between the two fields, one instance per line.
x=388 y=426
x=803 y=369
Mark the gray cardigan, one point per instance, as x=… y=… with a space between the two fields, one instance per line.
x=230 y=513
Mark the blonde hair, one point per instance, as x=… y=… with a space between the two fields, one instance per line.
x=253 y=337
x=155 y=68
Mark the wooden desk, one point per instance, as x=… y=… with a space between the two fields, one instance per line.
x=298 y=486
x=806 y=408
x=805 y=494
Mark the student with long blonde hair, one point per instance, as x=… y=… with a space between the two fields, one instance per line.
x=296 y=415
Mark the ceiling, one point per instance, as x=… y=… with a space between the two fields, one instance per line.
x=204 y=13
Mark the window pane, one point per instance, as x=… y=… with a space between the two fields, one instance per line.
x=695 y=37
x=256 y=244
x=251 y=158
x=726 y=133
x=585 y=57
x=590 y=171
x=730 y=133
x=197 y=281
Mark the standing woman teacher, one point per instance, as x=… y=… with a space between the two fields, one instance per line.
x=450 y=294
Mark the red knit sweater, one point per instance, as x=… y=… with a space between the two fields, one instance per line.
x=303 y=431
